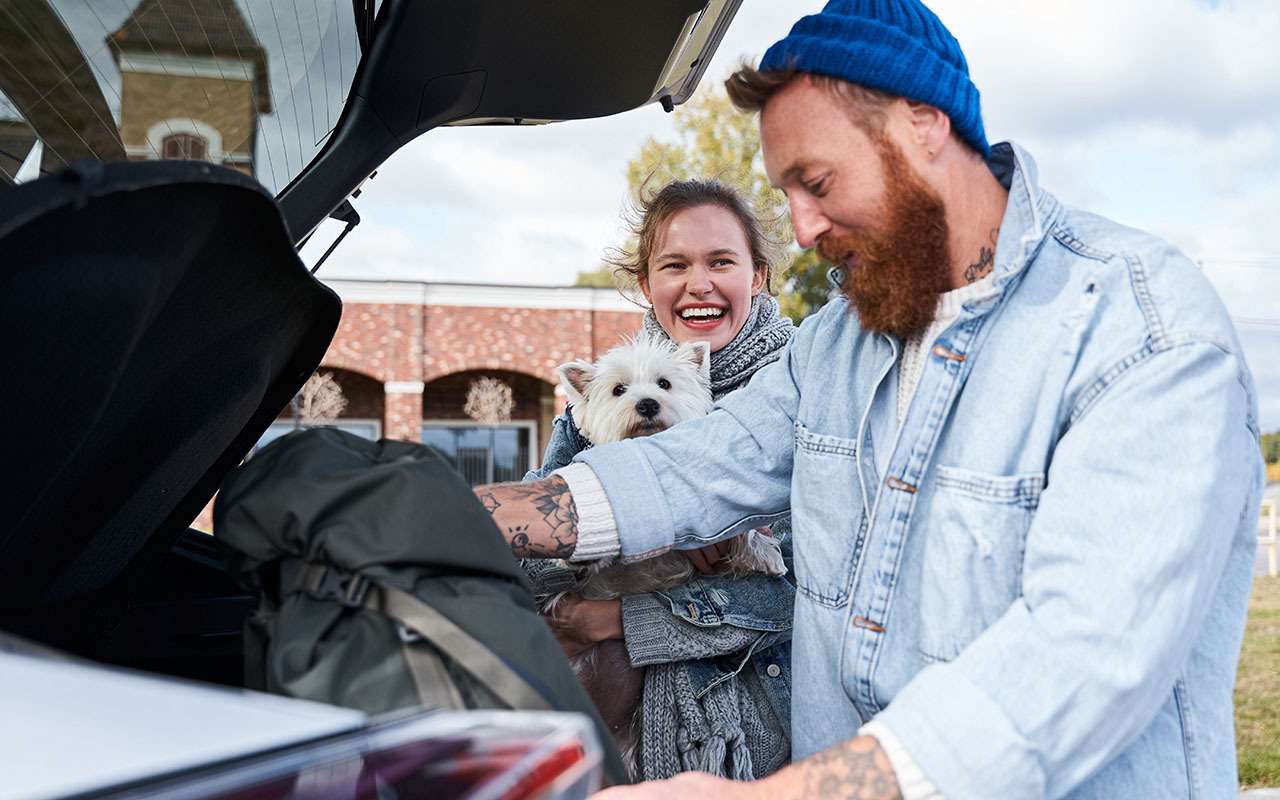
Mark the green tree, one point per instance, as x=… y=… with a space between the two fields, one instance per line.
x=1271 y=447
x=601 y=278
x=714 y=140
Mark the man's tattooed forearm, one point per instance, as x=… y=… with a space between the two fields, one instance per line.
x=857 y=769
x=540 y=519
x=986 y=260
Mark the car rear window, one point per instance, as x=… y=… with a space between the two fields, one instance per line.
x=254 y=85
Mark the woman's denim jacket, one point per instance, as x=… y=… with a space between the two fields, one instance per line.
x=758 y=604
x=1044 y=594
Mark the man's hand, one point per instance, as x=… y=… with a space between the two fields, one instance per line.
x=579 y=624
x=538 y=519
x=689 y=786
x=856 y=769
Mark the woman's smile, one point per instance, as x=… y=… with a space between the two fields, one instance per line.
x=702 y=318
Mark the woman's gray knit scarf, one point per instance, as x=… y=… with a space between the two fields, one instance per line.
x=760 y=342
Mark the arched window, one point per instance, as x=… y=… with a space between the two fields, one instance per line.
x=186 y=146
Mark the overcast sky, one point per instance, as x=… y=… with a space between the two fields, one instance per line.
x=1162 y=114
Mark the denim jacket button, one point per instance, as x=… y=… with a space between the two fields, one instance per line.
x=773 y=670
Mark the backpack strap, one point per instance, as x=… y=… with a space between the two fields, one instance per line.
x=429 y=675
x=436 y=688
x=460 y=646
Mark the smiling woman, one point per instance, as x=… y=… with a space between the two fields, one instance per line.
x=703 y=263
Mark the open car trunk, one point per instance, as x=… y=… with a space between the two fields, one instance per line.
x=157 y=314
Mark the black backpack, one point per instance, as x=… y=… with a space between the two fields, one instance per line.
x=385 y=584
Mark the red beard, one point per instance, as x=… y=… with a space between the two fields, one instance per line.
x=894 y=273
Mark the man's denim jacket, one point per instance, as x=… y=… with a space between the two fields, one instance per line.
x=1045 y=594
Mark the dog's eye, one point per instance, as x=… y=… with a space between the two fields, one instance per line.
x=619 y=390
x=664 y=384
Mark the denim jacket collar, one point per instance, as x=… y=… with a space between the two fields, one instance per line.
x=1028 y=218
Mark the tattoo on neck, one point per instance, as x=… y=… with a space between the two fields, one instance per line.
x=857 y=768
x=539 y=519
x=986 y=260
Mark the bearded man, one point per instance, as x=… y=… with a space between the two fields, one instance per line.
x=1019 y=453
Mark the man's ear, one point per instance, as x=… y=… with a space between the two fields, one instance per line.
x=700 y=354
x=930 y=126
x=574 y=377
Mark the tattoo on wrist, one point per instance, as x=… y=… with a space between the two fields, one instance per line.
x=857 y=768
x=986 y=260
x=490 y=502
x=540 y=519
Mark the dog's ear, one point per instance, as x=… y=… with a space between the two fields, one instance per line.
x=574 y=377
x=700 y=354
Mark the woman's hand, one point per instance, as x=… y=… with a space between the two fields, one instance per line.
x=580 y=624
x=707 y=559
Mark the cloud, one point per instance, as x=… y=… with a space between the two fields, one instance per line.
x=373 y=249
x=1067 y=67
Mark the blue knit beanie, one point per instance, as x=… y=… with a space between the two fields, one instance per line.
x=896 y=46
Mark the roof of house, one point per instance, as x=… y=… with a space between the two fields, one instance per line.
x=194 y=28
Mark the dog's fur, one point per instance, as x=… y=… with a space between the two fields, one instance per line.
x=638 y=389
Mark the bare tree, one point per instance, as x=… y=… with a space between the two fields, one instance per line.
x=320 y=399
x=489 y=401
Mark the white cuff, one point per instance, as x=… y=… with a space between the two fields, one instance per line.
x=597 y=530
x=911 y=781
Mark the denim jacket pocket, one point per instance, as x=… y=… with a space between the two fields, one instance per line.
x=975 y=538
x=826 y=514
x=753 y=602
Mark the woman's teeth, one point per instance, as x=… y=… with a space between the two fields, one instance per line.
x=702 y=313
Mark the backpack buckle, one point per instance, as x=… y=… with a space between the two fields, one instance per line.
x=407 y=635
x=326 y=583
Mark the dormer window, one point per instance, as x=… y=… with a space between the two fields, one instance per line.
x=185 y=146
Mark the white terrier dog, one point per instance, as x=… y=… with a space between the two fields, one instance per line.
x=639 y=389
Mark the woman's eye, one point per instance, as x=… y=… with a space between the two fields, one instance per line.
x=619 y=390
x=816 y=188
x=664 y=384
x=673 y=265
x=722 y=262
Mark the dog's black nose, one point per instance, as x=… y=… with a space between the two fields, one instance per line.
x=648 y=408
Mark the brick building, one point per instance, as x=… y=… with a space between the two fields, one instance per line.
x=406 y=356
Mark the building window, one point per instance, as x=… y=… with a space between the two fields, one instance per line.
x=484 y=453
x=186 y=146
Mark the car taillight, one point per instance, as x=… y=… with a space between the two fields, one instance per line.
x=468 y=755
